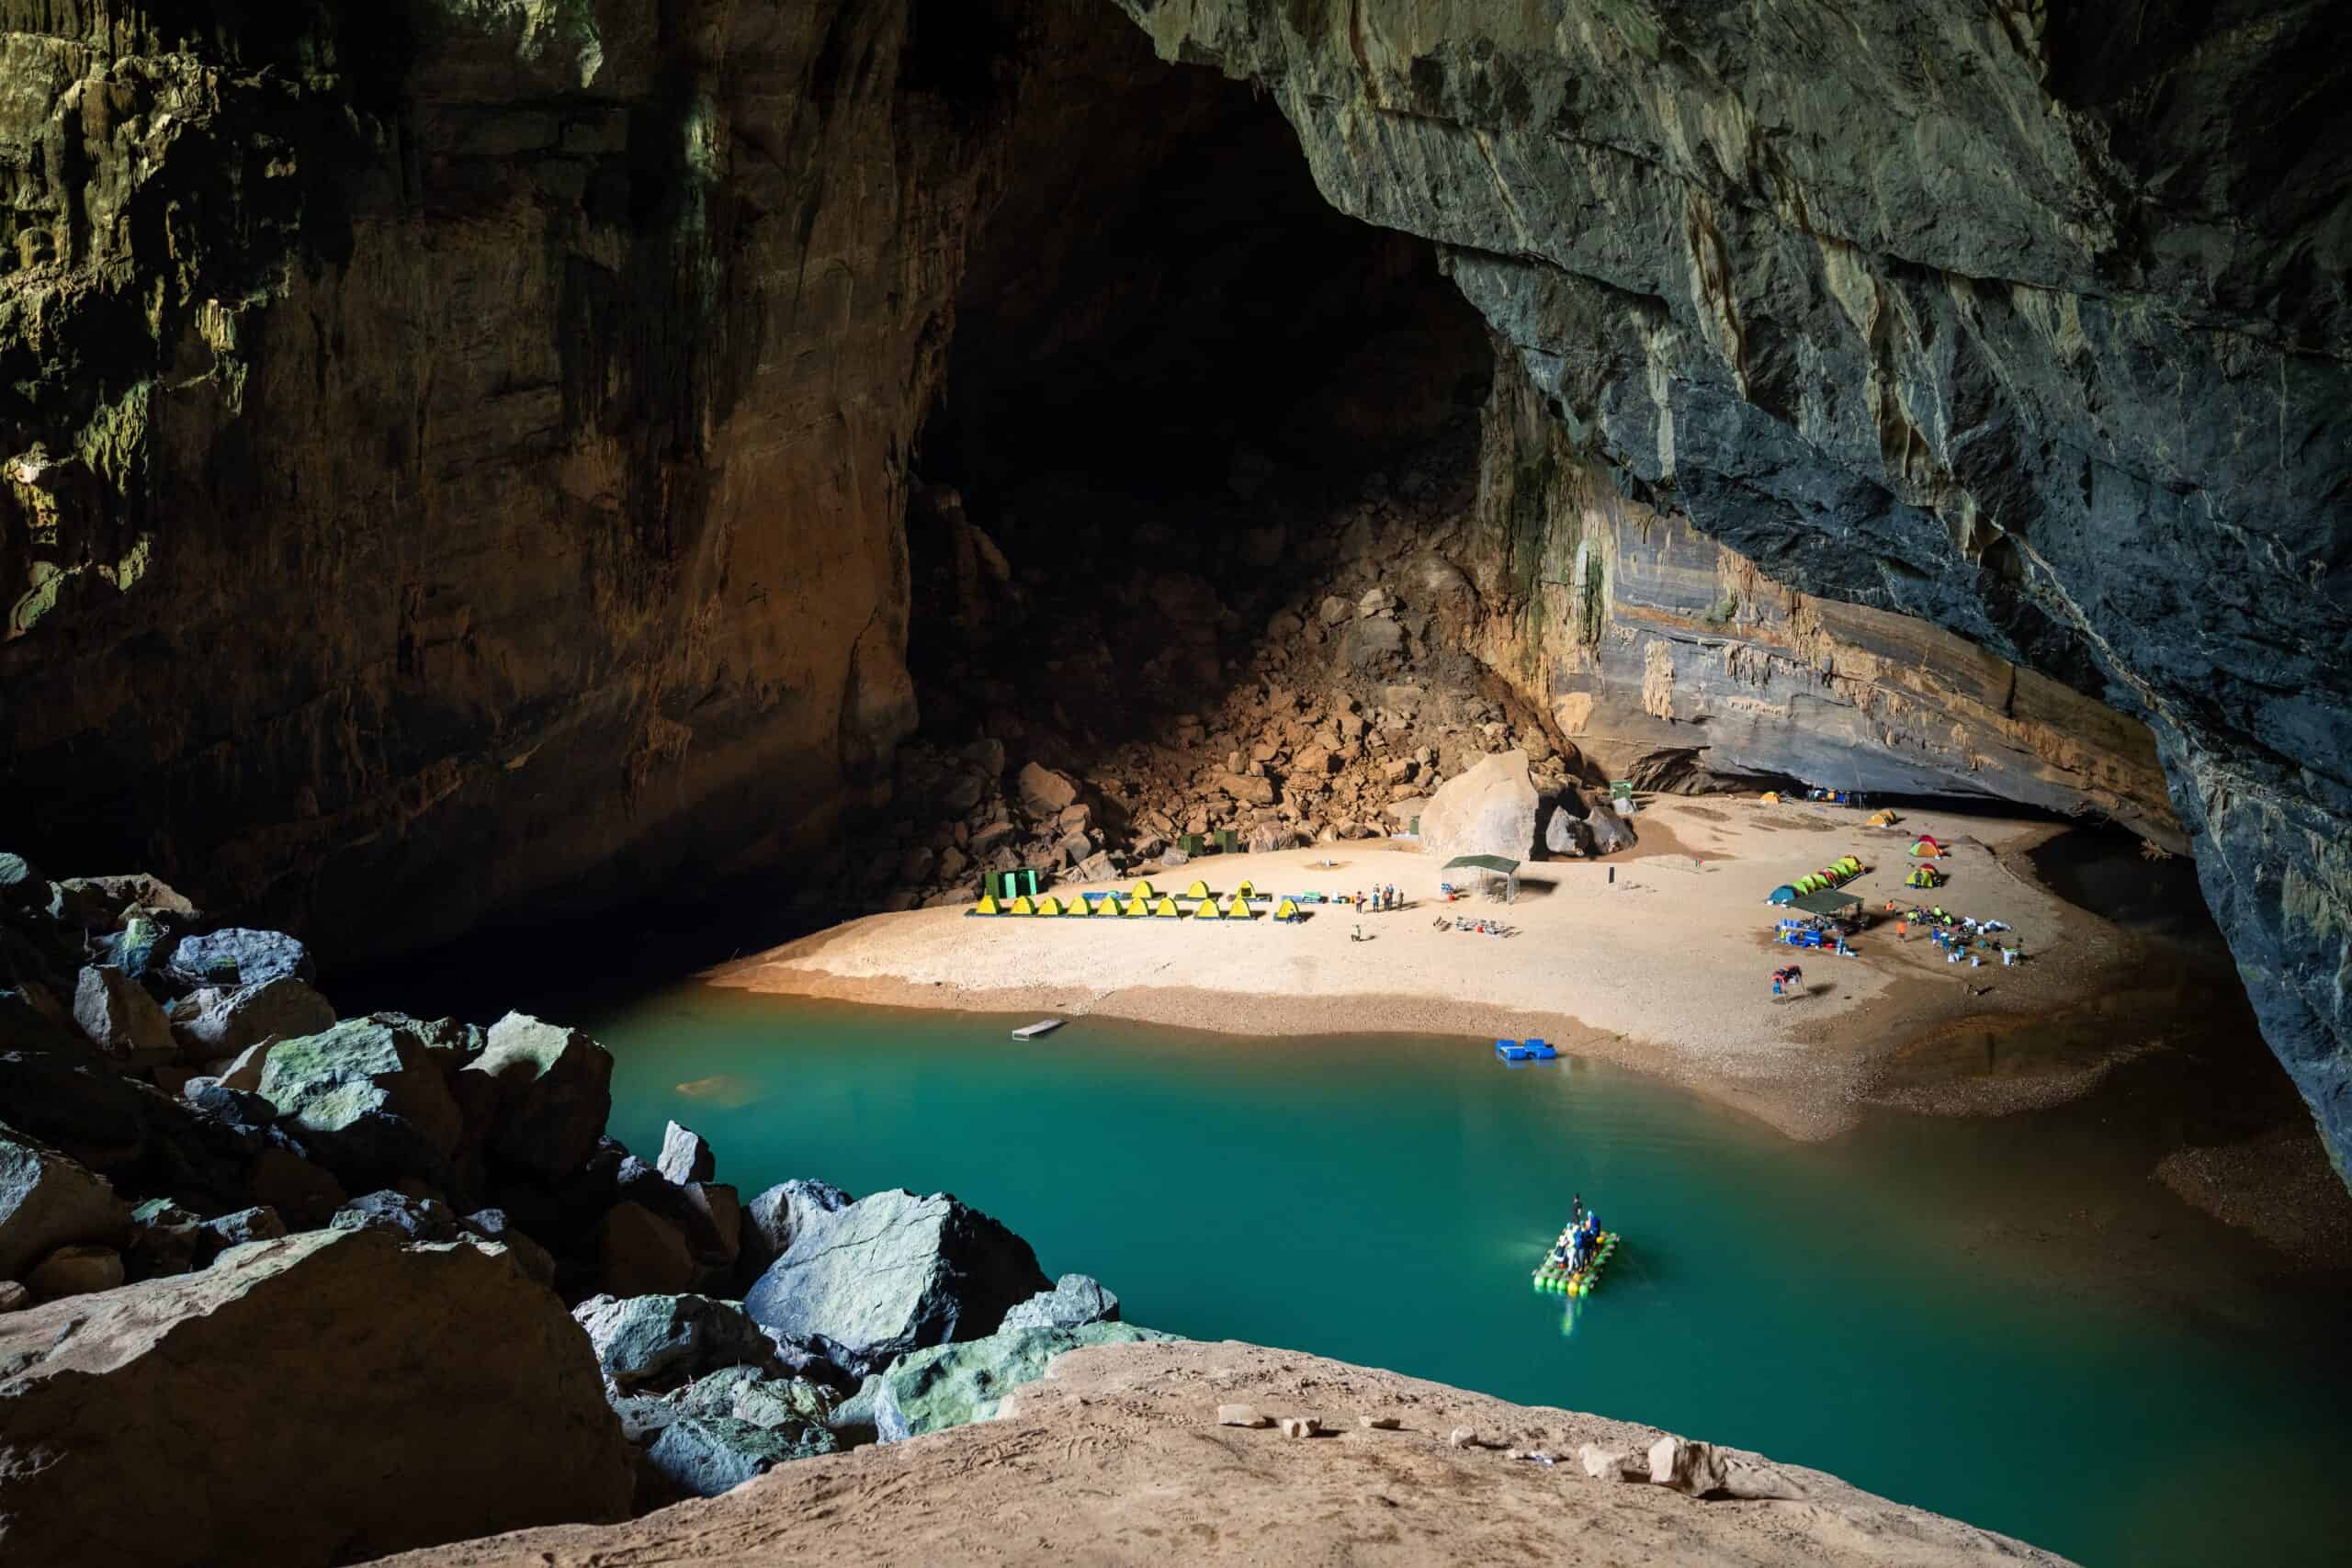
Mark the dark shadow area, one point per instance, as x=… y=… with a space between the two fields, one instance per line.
x=1172 y=363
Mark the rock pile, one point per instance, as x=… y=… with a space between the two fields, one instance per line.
x=345 y=1247
x=1324 y=702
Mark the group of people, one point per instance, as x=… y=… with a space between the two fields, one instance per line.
x=1382 y=898
x=1582 y=1240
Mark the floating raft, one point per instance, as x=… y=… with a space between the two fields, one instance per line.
x=1529 y=1051
x=1031 y=1031
x=1551 y=1276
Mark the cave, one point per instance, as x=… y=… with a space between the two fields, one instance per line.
x=1245 y=640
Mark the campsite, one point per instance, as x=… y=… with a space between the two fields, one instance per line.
x=1660 y=958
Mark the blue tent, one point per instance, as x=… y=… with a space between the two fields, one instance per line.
x=1785 y=894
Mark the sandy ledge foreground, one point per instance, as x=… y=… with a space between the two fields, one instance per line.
x=1117 y=1457
x=1668 y=968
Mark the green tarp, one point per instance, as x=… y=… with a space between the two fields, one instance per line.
x=1500 y=864
x=1828 y=903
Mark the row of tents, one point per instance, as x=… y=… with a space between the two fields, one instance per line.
x=1164 y=906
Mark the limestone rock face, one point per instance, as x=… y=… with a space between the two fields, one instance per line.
x=1988 y=372
x=892 y=1273
x=645 y=608
x=213 y=1022
x=48 y=1201
x=949 y=1385
x=240 y=956
x=1489 y=810
x=421 y=1395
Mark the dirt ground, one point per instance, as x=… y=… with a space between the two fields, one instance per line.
x=1117 y=1457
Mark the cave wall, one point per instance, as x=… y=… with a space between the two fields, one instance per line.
x=460 y=449
x=2006 y=317
x=1671 y=659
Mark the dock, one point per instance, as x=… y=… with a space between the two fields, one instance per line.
x=1043 y=1026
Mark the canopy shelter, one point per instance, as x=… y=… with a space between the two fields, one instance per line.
x=1828 y=903
x=1493 y=867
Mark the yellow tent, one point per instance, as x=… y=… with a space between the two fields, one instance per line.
x=1287 y=910
x=1245 y=890
x=1078 y=907
x=1883 y=819
x=1021 y=906
x=1238 y=909
x=1166 y=908
x=1199 y=889
x=1205 y=910
x=1143 y=888
x=1768 y=798
x=1049 y=905
x=987 y=906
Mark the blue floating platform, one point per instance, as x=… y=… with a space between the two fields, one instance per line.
x=1529 y=1051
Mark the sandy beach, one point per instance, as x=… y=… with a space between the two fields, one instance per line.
x=1660 y=959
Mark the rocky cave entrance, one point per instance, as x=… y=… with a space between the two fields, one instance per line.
x=1172 y=527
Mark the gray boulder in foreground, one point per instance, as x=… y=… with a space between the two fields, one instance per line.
x=238 y=957
x=772 y=1219
x=651 y=1341
x=366 y=1101
x=1075 y=1299
x=701 y=1456
x=48 y=1201
x=892 y=1273
x=555 y=1090
x=949 y=1385
x=329 y=1397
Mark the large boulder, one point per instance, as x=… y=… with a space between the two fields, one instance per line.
x=653 y=1341
x=892 y=1273
x=639 y=1253
x=213 y=1023
x=949 y=1385
x=701 y=1456
x=1610 y=832
x=121 y=1019
x=48 y=1201
x=329 y=1397
x=685 y=1156
x=1489 y=810
x=776 y=1216
x=1075 y=1300
x=238 y=957
x=366 y=1101
x=555 y=1090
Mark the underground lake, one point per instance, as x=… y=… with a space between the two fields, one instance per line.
x=2001 y=1319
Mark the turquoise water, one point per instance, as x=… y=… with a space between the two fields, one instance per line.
x=1913 y=1307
